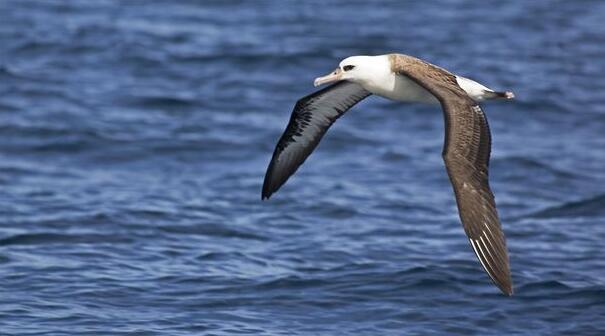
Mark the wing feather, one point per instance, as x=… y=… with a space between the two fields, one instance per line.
x=310 y=119
x=466 y=153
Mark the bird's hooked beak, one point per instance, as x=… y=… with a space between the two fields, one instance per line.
x=334 y=76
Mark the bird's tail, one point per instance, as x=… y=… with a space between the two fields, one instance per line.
x=500 y=95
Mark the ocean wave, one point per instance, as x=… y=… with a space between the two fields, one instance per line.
x=588 y=207
x=135 y=138
x=212 y=230
x=44 y=238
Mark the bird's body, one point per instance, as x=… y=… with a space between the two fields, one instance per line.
x=383 y=81
x=466 y=149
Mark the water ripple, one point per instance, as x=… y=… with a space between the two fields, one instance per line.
x=135 y=138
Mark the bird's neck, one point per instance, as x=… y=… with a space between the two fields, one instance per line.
x=377 y=76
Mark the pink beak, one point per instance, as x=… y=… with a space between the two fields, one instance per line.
x=334 y=76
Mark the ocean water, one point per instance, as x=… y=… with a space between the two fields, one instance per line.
x=135 y=136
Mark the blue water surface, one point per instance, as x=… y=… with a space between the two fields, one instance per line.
x=135 y=136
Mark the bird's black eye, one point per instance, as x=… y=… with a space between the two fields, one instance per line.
x=348 y=67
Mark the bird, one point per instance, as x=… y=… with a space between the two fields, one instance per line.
x=466 y=149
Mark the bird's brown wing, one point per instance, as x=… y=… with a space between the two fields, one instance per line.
x=466 y=154
x=311 y=118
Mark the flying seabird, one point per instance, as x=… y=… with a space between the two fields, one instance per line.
x=466 y=149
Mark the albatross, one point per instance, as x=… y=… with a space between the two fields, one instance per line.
x=466 y=149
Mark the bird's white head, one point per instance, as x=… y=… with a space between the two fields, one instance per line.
x=365 y=70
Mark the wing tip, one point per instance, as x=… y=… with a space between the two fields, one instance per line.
x=503 y=281
x=265 y=194
x=500 y=276
x=268 y=189
x=506 y=287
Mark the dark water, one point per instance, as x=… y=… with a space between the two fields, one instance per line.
x=135 y=136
